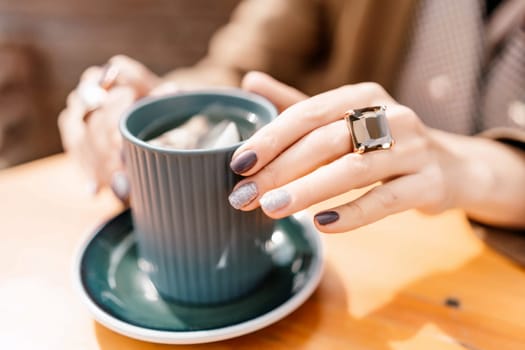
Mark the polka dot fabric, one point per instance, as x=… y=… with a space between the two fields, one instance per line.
x=446 y=77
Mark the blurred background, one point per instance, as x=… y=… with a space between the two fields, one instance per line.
x=46 y=45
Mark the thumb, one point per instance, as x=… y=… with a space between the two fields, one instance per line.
x=281 y=95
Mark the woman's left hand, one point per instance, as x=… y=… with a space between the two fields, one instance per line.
x=305 y=156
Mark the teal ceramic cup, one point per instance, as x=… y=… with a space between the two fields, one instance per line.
x=194 y=246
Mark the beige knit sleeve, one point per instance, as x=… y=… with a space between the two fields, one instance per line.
x=274 y=36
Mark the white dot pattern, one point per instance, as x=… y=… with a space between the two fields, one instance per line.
x=504 y=88
x=445 y=79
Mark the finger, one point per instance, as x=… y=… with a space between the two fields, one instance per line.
x=103 y=133
x=281 y=95
x=167 y=88
x=73 y=133
x=342 y=175
x=92 y=74
x=351 y=171
x=300 y=119
x=70 y=121
x=134 y=74
x=103 y=125
x=329 y=142
x=74 y=140
x=297 y=170
x=398 y=195
x=91 y=147
x=90 y=92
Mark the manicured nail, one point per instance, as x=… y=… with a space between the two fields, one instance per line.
x=326 y=217
x=120 y=185
x=244 y=162
x=275 y=200
x=243 y=195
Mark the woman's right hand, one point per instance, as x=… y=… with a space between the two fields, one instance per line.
x=91 y=135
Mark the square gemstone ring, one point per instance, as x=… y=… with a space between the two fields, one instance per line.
x=369 y=129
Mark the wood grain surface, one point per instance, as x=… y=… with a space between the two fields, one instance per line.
x=385 y=286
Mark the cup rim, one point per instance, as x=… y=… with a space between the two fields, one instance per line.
x=235 y=92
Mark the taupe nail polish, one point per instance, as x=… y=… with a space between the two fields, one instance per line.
x=243 y=195
x=244 y=162
x=275 y=200
x=327 y=217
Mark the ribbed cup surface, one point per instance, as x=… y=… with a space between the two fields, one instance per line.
x=195 y=247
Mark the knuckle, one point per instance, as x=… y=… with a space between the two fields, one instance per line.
x=73 y=100
x=270 y=142
x=385 y=197
x=425 y=150
x=347 y=89
x=128 y=66
x=91 y=73
x=372 y=88
x=120 y=59
x=356 y=164
x=62 y=121
x=315 y=114
x=63 y=118
x=332 y=139
x=268 y=177
x=315 y=136
x=357 y=212
x=410 y=119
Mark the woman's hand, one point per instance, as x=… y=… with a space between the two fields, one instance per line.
x=305 y=156
x=90 y=133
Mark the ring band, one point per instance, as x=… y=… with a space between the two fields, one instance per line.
x=369 y=130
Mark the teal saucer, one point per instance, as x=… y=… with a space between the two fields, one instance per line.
x=121 y=296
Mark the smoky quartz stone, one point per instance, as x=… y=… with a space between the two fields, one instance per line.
x=369 y=129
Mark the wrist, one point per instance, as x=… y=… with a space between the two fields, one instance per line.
x=468 y=178
x=492 y=189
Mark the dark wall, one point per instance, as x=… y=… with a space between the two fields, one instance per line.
x=45 y=45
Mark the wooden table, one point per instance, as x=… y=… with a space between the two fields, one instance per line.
x=385 y=286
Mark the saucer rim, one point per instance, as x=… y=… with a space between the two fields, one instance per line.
x=208 y=335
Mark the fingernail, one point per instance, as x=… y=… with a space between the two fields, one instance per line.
x=275 y=200
x=243 y=195
x=120 y=185
x=326 y=217
x=244 y=162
